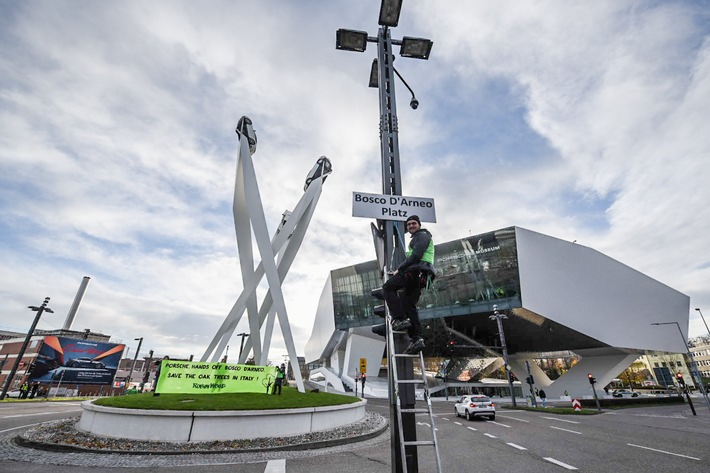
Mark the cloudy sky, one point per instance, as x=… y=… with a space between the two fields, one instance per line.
x=580 y=120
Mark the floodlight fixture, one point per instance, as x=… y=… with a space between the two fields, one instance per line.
x=374 y=75
x=351 y=40
x=389 y=12
x=417 y=48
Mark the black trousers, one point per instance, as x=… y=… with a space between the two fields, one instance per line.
x=401 y=293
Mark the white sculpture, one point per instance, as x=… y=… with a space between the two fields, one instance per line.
x=277 y=256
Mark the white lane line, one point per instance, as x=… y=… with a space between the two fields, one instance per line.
x=561 y=420
x=516 y=446
x=471 y=428
x=497 y=423
x=490 y=435
x=30 y=415
x=514 y=418
x=662 y=451
x=557 y=462
x=276 y=466
x=565 y=430
x=20 y=427
x=458 y=423
x=445 y=418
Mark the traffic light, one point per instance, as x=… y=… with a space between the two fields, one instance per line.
x=681 y=381
x=530 y=380
x=31 y=368
x=379 y=310
x=512 y=377
x=592 y=379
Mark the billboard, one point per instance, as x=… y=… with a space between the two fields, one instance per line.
x=74 y=361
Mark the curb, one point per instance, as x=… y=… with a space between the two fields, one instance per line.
x=61 y=448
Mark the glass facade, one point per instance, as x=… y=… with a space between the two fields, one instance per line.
x=473 y=274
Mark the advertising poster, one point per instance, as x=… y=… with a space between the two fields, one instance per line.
x=187 y=377
x=72 y=361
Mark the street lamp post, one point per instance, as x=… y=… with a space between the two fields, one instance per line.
x=41 y=309
x=382 y=76
x=693 y=367
x=499 y=319
x=701 y=316
x=133 y=365
x=241 y=347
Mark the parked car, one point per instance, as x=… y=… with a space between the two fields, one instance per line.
x=13 y=393
x=624 y=393
x=85 y=363
x=475 y=406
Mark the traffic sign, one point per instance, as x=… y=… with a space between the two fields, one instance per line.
x=363 y=365
x=576 y=405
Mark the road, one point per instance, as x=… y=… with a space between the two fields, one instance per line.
x=665 y=438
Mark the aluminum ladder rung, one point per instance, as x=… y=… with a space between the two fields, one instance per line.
x=419 y=442
x=416 y=411
x=410 y=381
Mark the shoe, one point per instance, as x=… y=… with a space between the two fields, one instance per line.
x=401 y=325
x=415 y=347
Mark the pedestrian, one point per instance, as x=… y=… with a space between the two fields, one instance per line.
x=280 y=375
x=543 y=397
x=363 y=378
x=404 y=286
x=157 y=374
x=33 y=390
x=24 y=389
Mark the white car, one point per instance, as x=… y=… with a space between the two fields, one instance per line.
x=475 y=405
x=624 y=393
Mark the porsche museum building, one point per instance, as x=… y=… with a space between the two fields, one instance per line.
x=560 y=299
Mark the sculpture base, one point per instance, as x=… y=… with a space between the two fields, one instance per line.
x=204 y=426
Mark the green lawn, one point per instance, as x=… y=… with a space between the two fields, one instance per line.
x=290 y=398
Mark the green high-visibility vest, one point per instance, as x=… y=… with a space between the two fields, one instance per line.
x=428 y=255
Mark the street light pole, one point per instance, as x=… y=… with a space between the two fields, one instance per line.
x=13 y=371
x=693 y=366
x=701 y=316
x=499 y=319
x=382 y=76
x=241 y=347
x=133 y=365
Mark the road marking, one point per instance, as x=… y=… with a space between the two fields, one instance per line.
x=20 y=427
x=457 y=423
x=423 y=423
x=557 y=462
x=30 y=415
x=276 y=466
x=662 y=451
x=514 y=418
x=566 y=430
x=561 y=420
x=490 y=435
x=516 y=446
x=497 y=423
x=445 y=418
x=471 y=428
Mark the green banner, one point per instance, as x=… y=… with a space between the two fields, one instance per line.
x=187 y=377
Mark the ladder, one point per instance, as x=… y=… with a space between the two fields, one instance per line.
x=395 y=384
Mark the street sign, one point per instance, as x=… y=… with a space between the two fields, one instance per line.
x=363 y=365
x=393 y=207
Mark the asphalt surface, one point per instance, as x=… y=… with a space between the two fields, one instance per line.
x=667 y=438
